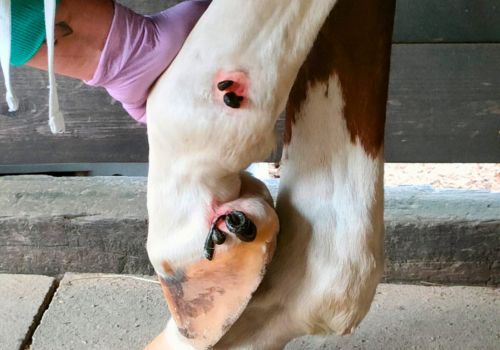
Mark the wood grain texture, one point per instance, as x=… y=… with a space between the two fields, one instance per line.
x=98 y=129
x=444 y=100
x=447 y=21
x=417 y=21
x=444 y=104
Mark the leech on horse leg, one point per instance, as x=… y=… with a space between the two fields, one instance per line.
x=329 y=257
x=211 y=115
x=216 y=287
x=232 y=88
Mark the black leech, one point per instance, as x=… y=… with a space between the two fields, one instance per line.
x=218 y=236
x=241 y=226
x=237 y=223
x=225 y=84
x=209 y=247
x=232 y=100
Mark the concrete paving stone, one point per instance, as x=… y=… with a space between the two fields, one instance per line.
x=95 y=311
x=107 y=312
x=418 y=317
x=22 y=298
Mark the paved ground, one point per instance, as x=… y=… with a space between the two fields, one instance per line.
x=102 y=312
x=22 y=301
x=106 y=312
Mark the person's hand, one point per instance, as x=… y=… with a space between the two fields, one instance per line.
x=139 y=49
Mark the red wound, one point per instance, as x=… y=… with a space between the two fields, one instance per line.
x=231 y=88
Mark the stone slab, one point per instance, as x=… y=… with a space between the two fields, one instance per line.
x=41 y=196
x=95 y=311
x=53 y=225
x=22 y=299
x=50 y=225
x=442 y=236
x=417 y=317
x=109 y=313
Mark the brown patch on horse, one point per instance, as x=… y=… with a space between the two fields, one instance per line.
x=355 y=44
x=167 y=268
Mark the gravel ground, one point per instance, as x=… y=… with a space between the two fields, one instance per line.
x=459 y=176
x=464 y=176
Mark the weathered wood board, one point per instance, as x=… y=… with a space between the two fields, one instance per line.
x=418 y=21
x=444 y=103
x=98 y=130
x=444 y=106
x=447 y=21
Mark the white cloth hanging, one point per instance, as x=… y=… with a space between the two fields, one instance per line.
x=5 y=47
x=56 y=119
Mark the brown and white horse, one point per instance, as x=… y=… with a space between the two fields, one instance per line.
x=211 y=114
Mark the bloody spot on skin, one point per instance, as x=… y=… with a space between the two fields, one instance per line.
x=231 y=88
x=211 y=214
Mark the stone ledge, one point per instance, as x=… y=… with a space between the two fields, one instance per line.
x=53 y=225
x=109 y=312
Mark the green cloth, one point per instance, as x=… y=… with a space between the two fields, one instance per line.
x=28 y=29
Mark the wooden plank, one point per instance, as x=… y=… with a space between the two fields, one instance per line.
x=417 y=21
x=98 y=128
x=447 y=21
x=444 y=106
x=444 y=103
x=451 y=21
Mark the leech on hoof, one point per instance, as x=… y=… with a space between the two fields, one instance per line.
x=218 y=236
x=232 y=100
x=224 y=85
x=241 y=226
x=215 y=236
x=237 y=223
x=209 y=248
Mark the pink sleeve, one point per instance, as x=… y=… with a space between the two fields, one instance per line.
x=139 y=49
